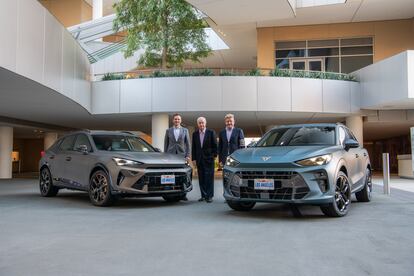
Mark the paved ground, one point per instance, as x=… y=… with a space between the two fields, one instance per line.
x=67 y=236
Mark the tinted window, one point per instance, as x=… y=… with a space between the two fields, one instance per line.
x=299 y=136
x=67 y=143
x=120 y=143
x=82 y=139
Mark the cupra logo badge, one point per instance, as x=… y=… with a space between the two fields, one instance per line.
x=265 y=158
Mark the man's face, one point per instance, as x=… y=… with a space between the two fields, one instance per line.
x=229 y=123
x=177 y=121
x=201 y=125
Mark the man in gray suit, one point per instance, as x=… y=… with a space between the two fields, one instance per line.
x=177 y=140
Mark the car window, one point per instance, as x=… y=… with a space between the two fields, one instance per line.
x=299 y=136
x=82 y=139
x=350 y=135
x=121 y=143
x=67 y=143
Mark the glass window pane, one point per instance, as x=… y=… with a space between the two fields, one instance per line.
x=323 y=43
x=323 y=52
x=315 y=65
x=332 y=64
x=282 y=63
x=290 y=44
x=82 y=140
x=67 y=143
x=290 y=53
x=298 y=65
x=351 y=64
x=365 y=50
x=356 y=41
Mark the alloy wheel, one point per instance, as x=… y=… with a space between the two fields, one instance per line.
x=342 y=193
x=44 y=181
x=99 y=187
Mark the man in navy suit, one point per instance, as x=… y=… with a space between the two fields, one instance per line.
x=230 y=139
x=204 y=152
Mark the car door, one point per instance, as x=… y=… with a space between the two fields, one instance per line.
x=80 y=164
x=59 y=162
x=362 y=156
x=350 y=156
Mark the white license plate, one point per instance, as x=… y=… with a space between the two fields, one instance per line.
x=168 y=179
x=264 y=184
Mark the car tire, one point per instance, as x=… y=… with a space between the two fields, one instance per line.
x=342 y=198
x=365 y=194
x=47 y=189
x=100 y=189
x=173 y=197
x=241 y=206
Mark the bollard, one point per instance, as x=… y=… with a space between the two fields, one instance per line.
x=386 y=172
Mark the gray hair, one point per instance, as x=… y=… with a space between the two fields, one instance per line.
x=201 y=119
x=229 y=116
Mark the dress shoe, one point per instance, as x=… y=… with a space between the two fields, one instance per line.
x=201 y=199
x=209 y=200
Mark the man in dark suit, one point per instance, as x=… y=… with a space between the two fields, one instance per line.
x=230 y=139
x=204 y=152
x=177 y=141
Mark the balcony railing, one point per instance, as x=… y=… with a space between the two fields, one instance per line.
x=162 y=73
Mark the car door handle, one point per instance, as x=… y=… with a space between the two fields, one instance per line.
x=356 y=155
x=52 y=157
x=68 y=158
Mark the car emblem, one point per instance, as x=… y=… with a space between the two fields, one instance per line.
x=265 y=158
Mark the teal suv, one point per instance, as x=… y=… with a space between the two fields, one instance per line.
x=317 y=164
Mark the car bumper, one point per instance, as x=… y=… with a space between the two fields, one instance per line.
x=147 y=182
x=296 y=185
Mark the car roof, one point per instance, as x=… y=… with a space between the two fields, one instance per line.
x=310 y=125
x=102 y=132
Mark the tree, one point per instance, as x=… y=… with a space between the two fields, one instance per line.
x=169 y=31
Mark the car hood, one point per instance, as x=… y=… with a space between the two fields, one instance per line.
x=281 y=154
x=151 y=157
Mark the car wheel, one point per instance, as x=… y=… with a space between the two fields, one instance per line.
x=342 y=199
x=99 y=189
x=46 y=183
x=365 y=194
x=240 y=206
x=173 y=198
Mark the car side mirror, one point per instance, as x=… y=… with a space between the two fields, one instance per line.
x=83 y=148
x=351 y=143
x=157 y=149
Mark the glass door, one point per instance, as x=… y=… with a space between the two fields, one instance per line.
x=314 y=64
x=298 y=64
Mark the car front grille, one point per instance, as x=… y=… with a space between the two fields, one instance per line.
x=153 y=182
x=287 y=185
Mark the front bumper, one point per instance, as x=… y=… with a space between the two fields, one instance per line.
x=298 y=185
x=147 y=181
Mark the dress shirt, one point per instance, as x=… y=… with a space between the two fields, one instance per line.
x=176 y=132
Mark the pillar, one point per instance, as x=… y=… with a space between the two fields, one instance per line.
x=159 y=125
x=191 y=130
x=356 y=125
x=49 y=139
x=97 y=9
x=6 y=149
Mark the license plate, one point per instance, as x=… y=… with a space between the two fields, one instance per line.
x=168 y=179
x=264 y=184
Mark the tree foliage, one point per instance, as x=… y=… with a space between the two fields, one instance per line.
x=169 y=31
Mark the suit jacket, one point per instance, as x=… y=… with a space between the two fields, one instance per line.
x=180 y=146
x=205 y=155
x=226 y=147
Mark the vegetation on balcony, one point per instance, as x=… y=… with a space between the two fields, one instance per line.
x=228 y=72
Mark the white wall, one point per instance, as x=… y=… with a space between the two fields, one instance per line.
x=35 y=45
x=388 y=84
x=225 y=94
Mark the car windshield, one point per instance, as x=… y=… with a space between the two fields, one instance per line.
x=299 y=136
x=121 y=143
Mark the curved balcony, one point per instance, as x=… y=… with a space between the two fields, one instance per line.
x=225 y=93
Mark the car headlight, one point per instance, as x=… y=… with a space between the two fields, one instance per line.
x=231 y=162
x=126 y=162
x=315 y=161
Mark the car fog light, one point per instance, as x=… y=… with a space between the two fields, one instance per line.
x=322 y=179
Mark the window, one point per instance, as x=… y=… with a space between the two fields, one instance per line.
x=343 y=55
x=121 y=143
x=82 y=139
x=67 y=143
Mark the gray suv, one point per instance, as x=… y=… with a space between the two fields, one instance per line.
x=109 y=165
x=317 y=164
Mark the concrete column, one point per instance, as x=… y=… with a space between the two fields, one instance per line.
x=159 y=125
x=191 y=130
x=356 y=125
x=6 y=149
x=49 y=139
x=97 y=9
